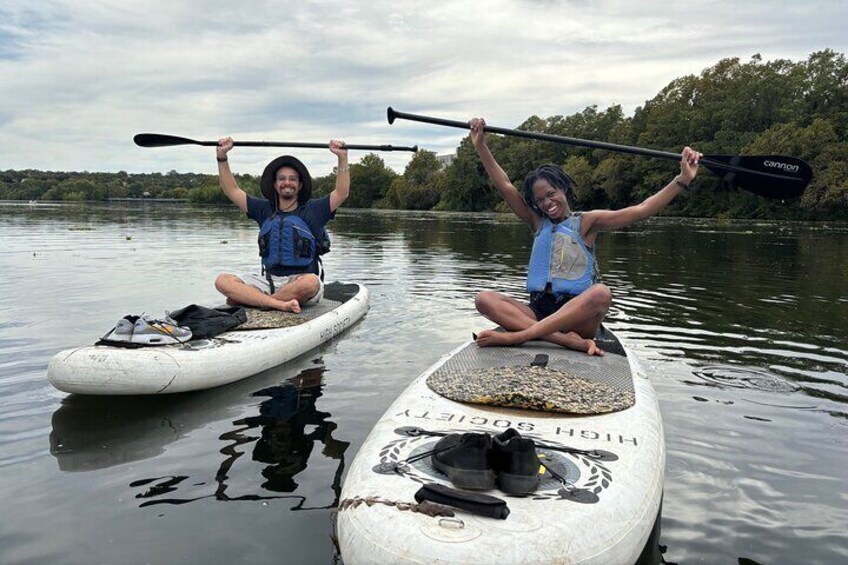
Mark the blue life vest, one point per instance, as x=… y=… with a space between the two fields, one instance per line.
x=287 y=243
x=561 y=258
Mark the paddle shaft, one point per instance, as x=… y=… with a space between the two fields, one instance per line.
x=162 y=140
x=706 y=161
x=308 y=145
x=537 y=136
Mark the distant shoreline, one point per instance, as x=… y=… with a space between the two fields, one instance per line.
x=36 y=202
x=146 y=200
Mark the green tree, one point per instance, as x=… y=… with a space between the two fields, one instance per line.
x=825 y=90
x=818 y=144
x=370 y=180
x=421 y=185
x=467 y=187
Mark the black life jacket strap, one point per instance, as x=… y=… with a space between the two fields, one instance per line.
x=270 y=280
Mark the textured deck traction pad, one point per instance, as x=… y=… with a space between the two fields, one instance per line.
x=334 y=295
x=268 y=319
x=571 y=382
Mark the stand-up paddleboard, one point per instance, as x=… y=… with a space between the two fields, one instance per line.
x=600 y=483
x=207 y=363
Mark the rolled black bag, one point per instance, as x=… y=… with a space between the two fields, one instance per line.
x=475 y=503
x=208 y=322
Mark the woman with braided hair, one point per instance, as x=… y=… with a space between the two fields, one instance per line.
x=567 y=300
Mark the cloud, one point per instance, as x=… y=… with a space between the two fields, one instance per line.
x=81 y=79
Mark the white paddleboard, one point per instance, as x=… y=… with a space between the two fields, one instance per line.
x=602 y=513
x=206 y=363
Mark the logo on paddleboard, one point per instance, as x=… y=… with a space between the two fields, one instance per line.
x=566 y=473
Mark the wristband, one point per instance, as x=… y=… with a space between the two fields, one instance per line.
x=224 y=160
x=681 y=184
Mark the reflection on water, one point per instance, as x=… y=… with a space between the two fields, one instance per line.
x=91 y=433
x=740 y=325
x=284 y=445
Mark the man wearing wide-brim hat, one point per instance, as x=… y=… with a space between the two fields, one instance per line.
x=287 y=187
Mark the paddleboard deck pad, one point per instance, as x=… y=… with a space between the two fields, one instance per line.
x=266 y=340
x=600 y=482
x=260 y=319
x=546 y=378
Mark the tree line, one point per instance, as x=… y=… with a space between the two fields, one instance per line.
x=798 y=109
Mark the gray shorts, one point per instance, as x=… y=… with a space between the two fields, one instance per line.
x=261 y=282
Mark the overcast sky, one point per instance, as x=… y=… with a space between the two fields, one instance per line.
x=79 y=78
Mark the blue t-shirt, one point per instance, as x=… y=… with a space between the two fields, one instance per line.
x=316 y=213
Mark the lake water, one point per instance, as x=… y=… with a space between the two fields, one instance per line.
x=742 y=326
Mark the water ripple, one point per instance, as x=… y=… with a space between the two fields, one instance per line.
x=739 y=377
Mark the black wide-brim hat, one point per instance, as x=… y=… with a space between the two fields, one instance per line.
x=270 y=175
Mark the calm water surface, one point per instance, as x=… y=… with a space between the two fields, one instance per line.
x=743 y=327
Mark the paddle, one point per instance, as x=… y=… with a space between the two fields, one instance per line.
x=161 y=140
x=771 y=176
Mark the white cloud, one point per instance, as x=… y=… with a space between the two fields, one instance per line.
x=79 y=79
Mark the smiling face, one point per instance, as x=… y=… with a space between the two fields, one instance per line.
x=287 y=183
x=550 y=200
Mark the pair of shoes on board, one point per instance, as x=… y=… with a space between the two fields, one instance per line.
x=150 y=331
x=478 y=461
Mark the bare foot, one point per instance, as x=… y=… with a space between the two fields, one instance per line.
x=575 y=341
x=594 y=349
x=288 y=306
x=491 y=338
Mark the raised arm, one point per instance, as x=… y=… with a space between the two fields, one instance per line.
x=599 y=220
x=342 y=188
x=228 y=182
x=497 y=175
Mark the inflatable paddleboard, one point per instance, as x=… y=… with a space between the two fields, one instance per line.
x=206 y=363
x=601 y=477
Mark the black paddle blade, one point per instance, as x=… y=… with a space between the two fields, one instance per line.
x=160 y=140
x=770 y=176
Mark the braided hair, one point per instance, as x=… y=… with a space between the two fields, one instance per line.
x=556 y=177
